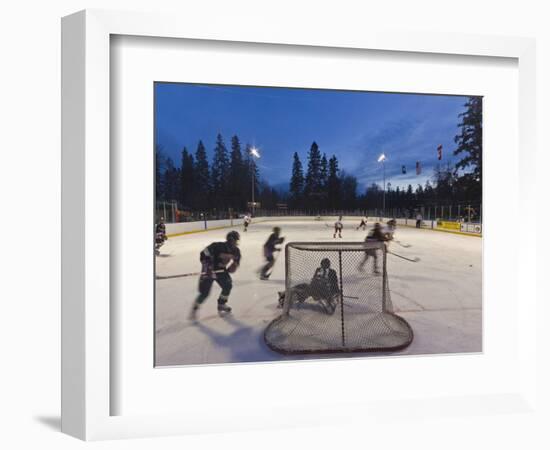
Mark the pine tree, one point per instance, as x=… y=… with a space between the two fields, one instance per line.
x=445 y=180
x=409 y=197
x=237 y=175
x=324 y=172
x=313 y=175
x=159 y=173
x=397 y=201
x=296 y=182
x=348 y=191
x=373 y=197
x=469 y=146
x=201 y=178
x=171 y=181
x=428 y=192
x=419 y=194
x=333 y=183
x=220 y=172
x=186 y=178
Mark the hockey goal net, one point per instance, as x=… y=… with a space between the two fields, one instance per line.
x=337 y=299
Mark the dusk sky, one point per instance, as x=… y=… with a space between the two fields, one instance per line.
x=355 y=126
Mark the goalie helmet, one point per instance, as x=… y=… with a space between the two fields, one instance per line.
x=325 y=263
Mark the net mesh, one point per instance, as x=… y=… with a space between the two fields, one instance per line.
x=336 y=299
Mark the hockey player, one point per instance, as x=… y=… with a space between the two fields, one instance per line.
x=391 y=225
x=323 y=288
x=324 y=284
x=219 y=260
x=338 y=225
x=246 y=221
x=270 y=247
x=376 y=234
x=363 y=224
x=160 y=235
x=418 y=220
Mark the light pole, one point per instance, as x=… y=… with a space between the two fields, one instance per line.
x=254 y=153
x=382 y=159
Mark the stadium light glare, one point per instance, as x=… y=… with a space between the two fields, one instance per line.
x=255 y=152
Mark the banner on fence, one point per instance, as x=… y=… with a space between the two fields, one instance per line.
x=449 y=225
x=470 y=227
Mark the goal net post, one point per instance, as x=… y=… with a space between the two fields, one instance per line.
x=337 y=299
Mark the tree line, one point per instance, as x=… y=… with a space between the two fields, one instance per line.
x=324 y=186
x=227 y=181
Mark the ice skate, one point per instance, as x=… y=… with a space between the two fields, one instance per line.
x=223 y=309
x=193 y=314
x=281 y=300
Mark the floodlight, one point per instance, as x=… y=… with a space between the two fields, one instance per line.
x=255 y=152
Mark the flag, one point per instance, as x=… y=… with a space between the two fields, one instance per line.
x=439 y=152
x=403 y=169
x=418 y=168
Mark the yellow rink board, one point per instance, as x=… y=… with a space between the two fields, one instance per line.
x=448 y=225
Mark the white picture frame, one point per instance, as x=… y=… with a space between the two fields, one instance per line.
x=87 y=385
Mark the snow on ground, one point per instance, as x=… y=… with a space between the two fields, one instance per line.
x=440 y=296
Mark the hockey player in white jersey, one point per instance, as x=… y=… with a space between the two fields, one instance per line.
x=246 y=221
x=338 y=226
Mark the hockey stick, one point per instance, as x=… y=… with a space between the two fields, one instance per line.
x=190 y=274
x=416 y=258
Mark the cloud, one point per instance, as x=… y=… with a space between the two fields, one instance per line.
x=404 y=140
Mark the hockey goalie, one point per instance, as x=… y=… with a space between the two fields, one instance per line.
x=322 y=290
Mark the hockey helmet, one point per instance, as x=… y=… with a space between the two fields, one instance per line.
x=325 y=263
x=277 y=230
x=233 y=237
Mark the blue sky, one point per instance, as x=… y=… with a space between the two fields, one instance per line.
x=355 y=126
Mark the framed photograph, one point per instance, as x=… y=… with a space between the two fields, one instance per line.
x=277 y=228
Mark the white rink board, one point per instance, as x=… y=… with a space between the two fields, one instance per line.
x=440 y=296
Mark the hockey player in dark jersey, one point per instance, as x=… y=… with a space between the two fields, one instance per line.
x=215 y=260
x=363 y=224
x=270 y=247
x=376 y=234
x=160 y=235
x=324 y=284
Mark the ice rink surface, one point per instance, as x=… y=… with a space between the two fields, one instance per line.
x=440 y=295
